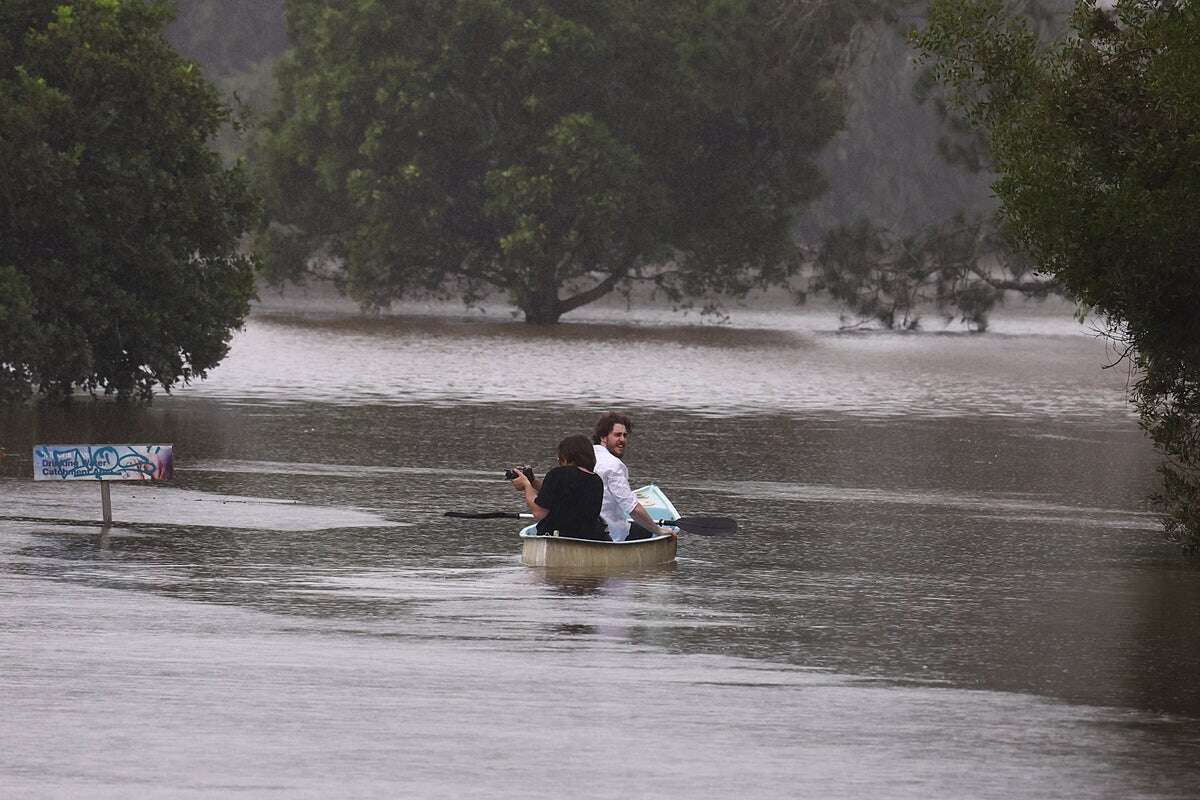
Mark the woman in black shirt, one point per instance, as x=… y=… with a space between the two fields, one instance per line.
x=567 y=501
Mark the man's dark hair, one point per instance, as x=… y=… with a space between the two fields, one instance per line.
x=577 y=451
x=607 y=421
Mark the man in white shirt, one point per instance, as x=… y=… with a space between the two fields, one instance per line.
x=609 y=441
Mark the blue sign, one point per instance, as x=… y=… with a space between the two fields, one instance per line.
x=102 y=462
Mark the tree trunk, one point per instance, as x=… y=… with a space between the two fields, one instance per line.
x=542 y=308
x=542 y=305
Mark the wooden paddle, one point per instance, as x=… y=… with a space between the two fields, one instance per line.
x=701 y=526
x=488 y=515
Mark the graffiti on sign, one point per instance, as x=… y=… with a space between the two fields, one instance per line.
x=102 y=462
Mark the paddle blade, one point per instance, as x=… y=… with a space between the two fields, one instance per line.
x=704 y=526
x=486 y=514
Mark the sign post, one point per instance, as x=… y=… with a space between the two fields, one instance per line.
x=106 y=502
x=103 y=463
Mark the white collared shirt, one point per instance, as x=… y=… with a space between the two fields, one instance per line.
x=619 y=500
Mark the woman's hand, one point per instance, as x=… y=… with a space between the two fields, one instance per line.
x=522 y=485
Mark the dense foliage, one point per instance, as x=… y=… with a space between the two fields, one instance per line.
x=1097 y=144
x=554 y=149
x=119 y=227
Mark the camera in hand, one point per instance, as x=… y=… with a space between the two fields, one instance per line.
x=511 y=474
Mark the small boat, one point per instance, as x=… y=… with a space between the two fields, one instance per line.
x=586 y=555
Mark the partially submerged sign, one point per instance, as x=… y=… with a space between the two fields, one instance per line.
x=102 y=462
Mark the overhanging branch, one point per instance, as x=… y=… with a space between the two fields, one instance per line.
x=595 y=293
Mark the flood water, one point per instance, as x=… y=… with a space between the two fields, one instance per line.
x=947 y=582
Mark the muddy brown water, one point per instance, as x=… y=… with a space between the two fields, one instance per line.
x=947 y=582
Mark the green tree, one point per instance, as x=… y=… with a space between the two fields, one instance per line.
x=1097 y=144
x=119 y=227
x=556 y=150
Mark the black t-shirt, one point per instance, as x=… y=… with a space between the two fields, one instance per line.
x=573 y=498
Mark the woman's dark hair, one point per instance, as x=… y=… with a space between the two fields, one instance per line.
x=607 y=421
x=577 y=451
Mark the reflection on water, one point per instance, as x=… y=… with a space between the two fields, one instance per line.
x=703 y=369
x=946 y=581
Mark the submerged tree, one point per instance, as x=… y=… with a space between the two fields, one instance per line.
x=1097 y=144
x=556 y=150
x=119 y=227
x=958 y=269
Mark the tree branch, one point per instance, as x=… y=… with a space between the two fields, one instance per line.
x=595 y=293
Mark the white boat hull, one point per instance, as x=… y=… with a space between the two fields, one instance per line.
x=561 y=553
